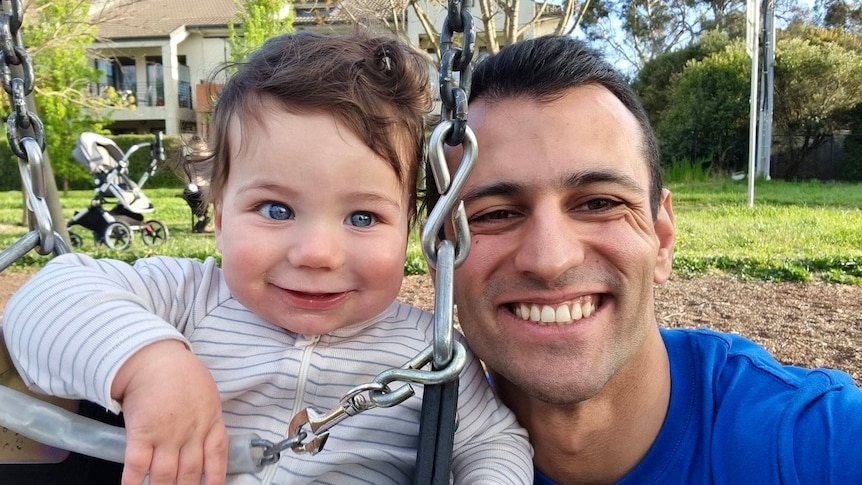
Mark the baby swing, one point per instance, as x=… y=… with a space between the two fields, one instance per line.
x=41 y=429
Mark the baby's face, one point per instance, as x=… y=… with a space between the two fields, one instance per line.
x=312 y=224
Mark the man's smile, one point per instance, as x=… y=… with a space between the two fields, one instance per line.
x=557 y=314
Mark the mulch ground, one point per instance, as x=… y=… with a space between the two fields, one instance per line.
x=807 y=324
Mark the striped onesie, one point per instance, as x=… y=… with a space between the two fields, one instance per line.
x=72 y=326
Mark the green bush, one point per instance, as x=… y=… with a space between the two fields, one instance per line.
x=10 y=178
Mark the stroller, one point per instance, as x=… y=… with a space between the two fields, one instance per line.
x=109 y=167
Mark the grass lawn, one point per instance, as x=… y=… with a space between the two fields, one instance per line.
x=794 y=232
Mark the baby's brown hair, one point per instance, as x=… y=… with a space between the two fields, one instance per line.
x=375 y=85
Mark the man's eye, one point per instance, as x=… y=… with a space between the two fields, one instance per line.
x=496 y=215
x=361 y=219
x=595 y=205
x=276 y=211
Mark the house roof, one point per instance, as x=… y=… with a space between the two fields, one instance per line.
x=158 y=18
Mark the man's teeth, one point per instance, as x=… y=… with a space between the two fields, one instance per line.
x=560 y=314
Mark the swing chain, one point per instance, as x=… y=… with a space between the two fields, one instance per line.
x=453 y=58
x=24 y=129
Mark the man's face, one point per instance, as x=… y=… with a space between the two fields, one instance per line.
x=556 y=294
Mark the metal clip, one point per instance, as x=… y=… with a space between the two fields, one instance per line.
x=351 y=404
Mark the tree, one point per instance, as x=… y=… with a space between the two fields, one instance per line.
x=708 y=117
x=259 y=20
x=851 y=168
x=496 y=22
x=655 y=80
x=816 y=86
x=842 y=14
x=57 y=33
x=641 y=30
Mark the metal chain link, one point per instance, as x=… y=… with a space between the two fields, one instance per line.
x=26 y=137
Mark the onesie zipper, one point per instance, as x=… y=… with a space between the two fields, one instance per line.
x=309 y=342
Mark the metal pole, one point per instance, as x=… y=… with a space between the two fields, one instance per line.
x=52 y=196
x=752 y=18
x=768 y=88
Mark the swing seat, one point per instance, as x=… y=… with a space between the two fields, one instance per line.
x=17 y=449
x=23 y=460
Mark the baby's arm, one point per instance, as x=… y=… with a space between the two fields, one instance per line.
x=173 y=417
x=98 y=330
x=490 y=446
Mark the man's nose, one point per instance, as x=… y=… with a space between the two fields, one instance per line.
x=549 y=245
x=316 y=246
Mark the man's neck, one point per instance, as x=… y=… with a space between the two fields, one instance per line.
x=605 y=437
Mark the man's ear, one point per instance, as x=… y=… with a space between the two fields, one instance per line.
x=666 y=234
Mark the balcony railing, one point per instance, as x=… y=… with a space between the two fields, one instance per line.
x=143 y=94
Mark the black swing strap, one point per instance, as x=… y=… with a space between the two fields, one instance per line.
x=440 y=401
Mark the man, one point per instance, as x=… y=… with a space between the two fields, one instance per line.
x=570 y=231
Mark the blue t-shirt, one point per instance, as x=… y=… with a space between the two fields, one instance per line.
x=738 y=416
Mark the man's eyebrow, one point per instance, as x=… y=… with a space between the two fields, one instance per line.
x=491 y=190
x=602 y=177
x=572 y=180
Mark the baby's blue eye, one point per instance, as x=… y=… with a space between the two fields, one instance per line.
x=360 y=219
x=275 y=210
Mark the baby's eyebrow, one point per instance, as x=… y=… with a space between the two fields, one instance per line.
x=371 y=197
x=260 y=184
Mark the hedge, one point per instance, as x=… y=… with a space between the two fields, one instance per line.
x=10 y=178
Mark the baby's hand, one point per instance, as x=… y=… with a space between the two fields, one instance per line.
x=172 y=409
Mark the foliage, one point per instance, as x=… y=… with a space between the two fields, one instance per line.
x=640 y=31
x=842 y=14
x=851 y=168
x=796 y=231
x=687 y=171
x=648 y=27
x=57 y=36
x=10 y=179
x=701 y=109
x=655 y=81
x=708 y=116
x=816 y=85
x=259 y=20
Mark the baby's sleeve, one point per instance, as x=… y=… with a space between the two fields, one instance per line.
x=75 y=322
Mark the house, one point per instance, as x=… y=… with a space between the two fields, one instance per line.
x=160 y=57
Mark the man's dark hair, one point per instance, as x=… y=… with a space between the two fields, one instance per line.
x=544 y=69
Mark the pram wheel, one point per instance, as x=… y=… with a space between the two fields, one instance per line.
x=154 y=233
x=76 y=240
x=118 y=235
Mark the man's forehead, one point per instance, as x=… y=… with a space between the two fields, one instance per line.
x=529 y=147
